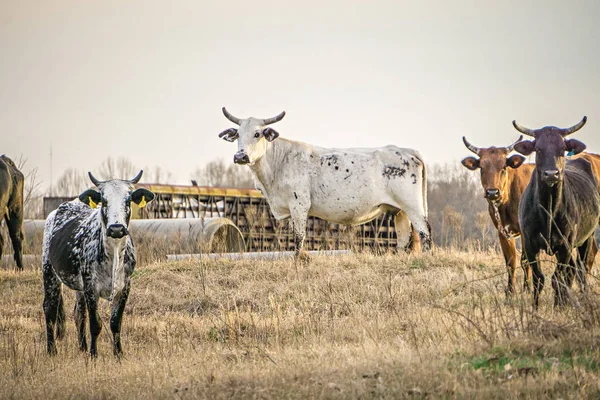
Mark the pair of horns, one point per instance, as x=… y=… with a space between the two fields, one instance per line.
x=564 y=132
x=265 y=121
x=476 y=150
x=132 y=181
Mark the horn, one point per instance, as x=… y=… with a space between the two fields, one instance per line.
x=574 y=128
x=94 y=180
x=276 y=118
x=470 y=146
x=512 y=146
x=522 y=129
x=230 y=117
x=137 y=177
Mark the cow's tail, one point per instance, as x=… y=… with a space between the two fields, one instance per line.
x=419 y=157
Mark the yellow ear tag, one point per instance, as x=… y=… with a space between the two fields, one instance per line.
x=92 y=204
x=142 y=203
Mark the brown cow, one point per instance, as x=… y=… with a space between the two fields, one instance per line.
x=11 y=206
x=503 y=184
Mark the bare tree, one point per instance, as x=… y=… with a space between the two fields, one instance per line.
x=32 y=197
x=120 y=168
x=71 y=183
x=156 y=174
x=218 y=174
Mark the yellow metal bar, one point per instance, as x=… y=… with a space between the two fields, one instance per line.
x=200 y=190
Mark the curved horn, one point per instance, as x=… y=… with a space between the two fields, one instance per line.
x=230 y=117
x=276 y=118
x=137 y=177
x=94 y=180
x=511 y=147
x=470 y=146
x=574 y=128
x=522 y=129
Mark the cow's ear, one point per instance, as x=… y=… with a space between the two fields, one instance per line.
x=270 y=134
x=141 y=197
x=91 y=197
x=229 y=134
x=471 y=163
x=515 y=161
x=525 y=147
x=574 y=146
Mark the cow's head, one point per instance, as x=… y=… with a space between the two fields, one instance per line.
x=115 y=197
x=493 y=163
x=253 y=136
x=550 y=146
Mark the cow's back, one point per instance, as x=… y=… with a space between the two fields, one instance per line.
x=14 y=181
x=62 y=248
x=594 y=160
x=5 y=186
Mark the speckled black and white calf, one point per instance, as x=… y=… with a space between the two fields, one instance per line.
x=90 y=250
x=348 y=186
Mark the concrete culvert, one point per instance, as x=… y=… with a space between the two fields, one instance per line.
x=160 y=237
x=155 y=238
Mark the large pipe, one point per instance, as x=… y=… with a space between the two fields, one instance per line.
x=266 y=255
x=174 y=235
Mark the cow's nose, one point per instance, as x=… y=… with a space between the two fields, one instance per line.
x=241 y=158
x=551 y=175
x=492 y=194
x=116 y=231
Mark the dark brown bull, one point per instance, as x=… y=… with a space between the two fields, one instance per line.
x=560 y=207
x=504 y=180
x=11 y=206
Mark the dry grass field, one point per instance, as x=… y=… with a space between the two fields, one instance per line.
x=357 y=326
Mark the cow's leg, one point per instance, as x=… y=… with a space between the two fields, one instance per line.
x=527 y=276
x=586 y=256
x=91 y=302
x=116 y=316
x=52 y=303
x=1 y=239
x=14 y=221
x=562 y=279
x=403 y=230
x=532 y=261
x=80 y=317
x=420 y=224
x=299 y=216
x=509 y=250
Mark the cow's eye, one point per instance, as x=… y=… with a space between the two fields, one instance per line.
x=257 y=134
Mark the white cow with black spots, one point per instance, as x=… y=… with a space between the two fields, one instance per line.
x=347 y=186
x=90 y=251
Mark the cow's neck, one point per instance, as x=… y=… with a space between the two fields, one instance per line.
x=114 y=251
x=550 y=197
x=271 y=165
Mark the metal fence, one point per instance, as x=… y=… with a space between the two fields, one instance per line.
x=249 y=210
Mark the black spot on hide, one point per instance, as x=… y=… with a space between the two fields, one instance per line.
x=295 y=195
x=414 y=178
x=391 y=171
x=332 y=159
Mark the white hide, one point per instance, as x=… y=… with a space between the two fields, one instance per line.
x=348 y=186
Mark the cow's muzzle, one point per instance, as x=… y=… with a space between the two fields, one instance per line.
x=492 y=194
x=241 y=158
x=116 y=231
x=551 y=177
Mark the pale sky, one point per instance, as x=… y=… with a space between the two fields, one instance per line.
x=147 y=79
